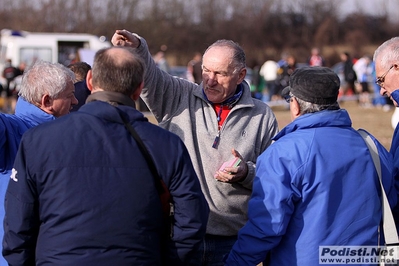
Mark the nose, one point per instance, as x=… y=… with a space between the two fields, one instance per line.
x=382 y=91
x=210 y=79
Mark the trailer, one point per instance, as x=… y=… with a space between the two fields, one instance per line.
x=65 y=48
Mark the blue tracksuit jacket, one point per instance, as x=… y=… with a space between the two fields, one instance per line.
x=12 y=127
x=315 y=186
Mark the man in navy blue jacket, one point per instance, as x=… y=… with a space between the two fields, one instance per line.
x=82 y=192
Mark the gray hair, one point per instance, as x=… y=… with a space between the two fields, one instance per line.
x=388 y=53
x=307 y=107
x=44 y=78
x=238 y=60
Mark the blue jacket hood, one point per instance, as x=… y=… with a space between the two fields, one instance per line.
x=12 y=128
x=336 y=118
x=31 y=114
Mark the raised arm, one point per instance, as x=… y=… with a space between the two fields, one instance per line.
x=125 y=38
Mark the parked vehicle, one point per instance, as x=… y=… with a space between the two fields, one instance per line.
x=64 y=48
x=179 y=71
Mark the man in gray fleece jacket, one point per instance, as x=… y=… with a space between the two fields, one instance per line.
x=218 y=120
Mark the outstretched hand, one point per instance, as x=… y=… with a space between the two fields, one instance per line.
x=233 y=174
x=125 y=38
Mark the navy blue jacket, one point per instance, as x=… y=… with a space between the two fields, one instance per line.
x=81 y=94
x=84 y=195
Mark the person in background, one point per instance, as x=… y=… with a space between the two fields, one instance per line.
x=386 y=60
x=349 y=75
x=114 y=202
x=194 y=68
x=268 y=71
x=21 y=68
x=18 y=78
x=283 y=59
x=255 y=80
x=10 y=72
x=80 y=69
x=218 y=121
x=315 y=59
x=46 y=92
x=307 y=192
x=161 y=61
x=81 y=90
x=364 y=69
x=284 y=73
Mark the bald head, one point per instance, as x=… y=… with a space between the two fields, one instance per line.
x=117 y=69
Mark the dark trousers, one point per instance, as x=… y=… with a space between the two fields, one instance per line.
x=214 y=248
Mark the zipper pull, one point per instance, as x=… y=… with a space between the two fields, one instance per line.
x=216 y=141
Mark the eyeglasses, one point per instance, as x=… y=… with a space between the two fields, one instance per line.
x=288 y=97
x=380 y=80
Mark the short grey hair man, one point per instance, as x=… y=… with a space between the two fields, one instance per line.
x=50 y=87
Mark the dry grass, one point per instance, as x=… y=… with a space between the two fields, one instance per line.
x=374 y=120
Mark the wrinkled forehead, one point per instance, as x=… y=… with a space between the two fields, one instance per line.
x=218 y=58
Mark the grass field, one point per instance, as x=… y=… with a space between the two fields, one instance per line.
x=374 y=120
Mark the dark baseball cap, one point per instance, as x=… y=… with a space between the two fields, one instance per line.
x=318 y=85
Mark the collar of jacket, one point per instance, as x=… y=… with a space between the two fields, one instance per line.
x=111 y=97
x=325 y=118
x=395 y=95
x=30 y=113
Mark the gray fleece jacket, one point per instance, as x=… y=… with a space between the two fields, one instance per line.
x=180 y=107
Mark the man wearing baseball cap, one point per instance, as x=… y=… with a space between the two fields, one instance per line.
x=316 y=185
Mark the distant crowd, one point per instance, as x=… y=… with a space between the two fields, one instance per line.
x=357 y=76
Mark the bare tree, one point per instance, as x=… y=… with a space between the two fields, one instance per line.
x=264 y=28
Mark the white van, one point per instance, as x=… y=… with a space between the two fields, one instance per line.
x=26 y=47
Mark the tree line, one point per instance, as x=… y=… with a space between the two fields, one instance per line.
x=264 y=28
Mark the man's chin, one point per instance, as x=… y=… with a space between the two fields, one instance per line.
x=212 y=97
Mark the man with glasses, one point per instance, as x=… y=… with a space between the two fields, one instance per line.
x=316 y=185
x=217 y=120
x=386 y=59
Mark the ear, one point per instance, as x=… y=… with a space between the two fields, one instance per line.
x=241 y=75
x=46 y=104
x=137 y=92
x=294 y=108
x=89 y=78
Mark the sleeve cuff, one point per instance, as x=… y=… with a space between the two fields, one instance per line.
x=247 y=182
